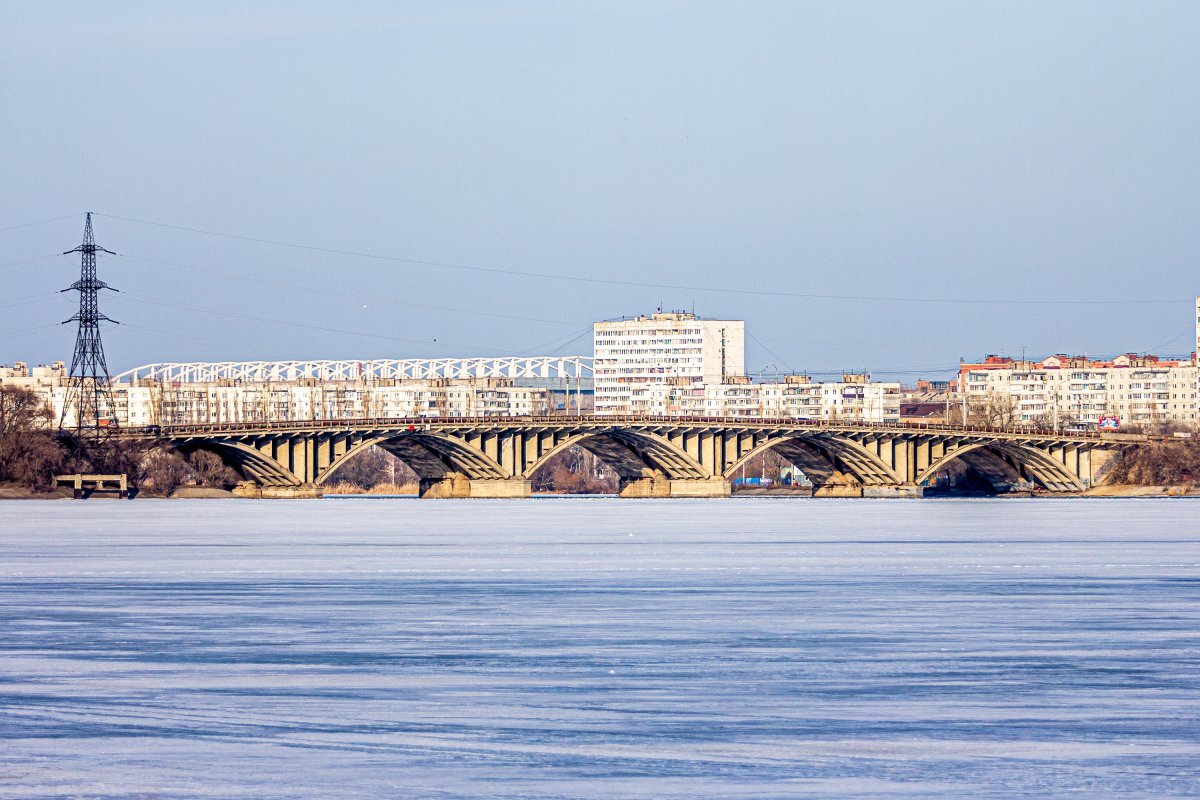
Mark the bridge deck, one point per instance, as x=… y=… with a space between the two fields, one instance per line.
x=553 y=422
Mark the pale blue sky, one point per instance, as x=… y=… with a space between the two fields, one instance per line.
x=1044 y=151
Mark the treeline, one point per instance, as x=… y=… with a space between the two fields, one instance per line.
x=32 y=453
x=1168 y=462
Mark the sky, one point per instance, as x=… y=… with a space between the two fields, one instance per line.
x=887 y=186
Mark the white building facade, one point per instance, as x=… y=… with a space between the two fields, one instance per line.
x=635 y=358
x=157 y=402
x=854 y=398
x=1062 y=392
x=676 y=364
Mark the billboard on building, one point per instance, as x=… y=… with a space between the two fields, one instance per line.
x=1109 y=424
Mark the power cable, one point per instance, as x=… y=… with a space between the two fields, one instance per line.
x=29 y=260
x=770 y=352
x=1173 y=339
x=557 y=344
x=237 y=315
x=639 y=284
x=161 y=334
x=29 y=299
x=24 y=331
x=40 y=222
x=325 y=292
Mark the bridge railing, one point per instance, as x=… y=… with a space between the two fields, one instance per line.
x=429 y=423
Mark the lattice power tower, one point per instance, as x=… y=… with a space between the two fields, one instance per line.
x=88 y=390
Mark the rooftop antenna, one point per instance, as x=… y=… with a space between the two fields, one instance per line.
x=88 y=390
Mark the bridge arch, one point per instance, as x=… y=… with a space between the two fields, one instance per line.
x=631 y=454
x=248 y=462
x=825 y=459
x=993 y=458
x=432 y=455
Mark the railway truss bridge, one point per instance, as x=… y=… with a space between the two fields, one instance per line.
x=653 y=456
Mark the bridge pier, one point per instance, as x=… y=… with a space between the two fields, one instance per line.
x=903 y=490
x=508 y=487
x=839 y=484
x=838 y=490
x=661 y=486
x=451 y=485
x=455 y=485
x=304 y=491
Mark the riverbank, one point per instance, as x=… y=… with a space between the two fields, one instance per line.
x=1130 y=490
x=9 y=492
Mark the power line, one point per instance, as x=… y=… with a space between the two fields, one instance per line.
x=39 y=222
x=289 y=323
x=161 y=334
x=33 y=260
x=639 y=284
x=770 y=352
x=1172 y=340
x=557 y=344
x=29 y=299
x=23 y=331
x=324 y=292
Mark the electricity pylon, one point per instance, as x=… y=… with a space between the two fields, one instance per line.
x=88 y=390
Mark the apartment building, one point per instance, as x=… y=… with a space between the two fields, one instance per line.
x=1074 y=391
x=157 y=403
x=39 y=379
x=854 y=398
x=636 y=358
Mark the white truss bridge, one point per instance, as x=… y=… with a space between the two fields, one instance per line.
x=567 y=368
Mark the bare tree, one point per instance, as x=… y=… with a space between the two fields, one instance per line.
x=994 y=411
x=29 y=454
x=575 y=470
x=373 y=467
x=164 y=470
x=211 y=471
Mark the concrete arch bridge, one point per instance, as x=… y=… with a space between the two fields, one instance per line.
x=653 y=456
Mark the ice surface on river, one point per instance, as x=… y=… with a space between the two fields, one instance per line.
x=600 y=648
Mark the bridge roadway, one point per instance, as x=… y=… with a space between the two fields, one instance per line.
x=654 y=456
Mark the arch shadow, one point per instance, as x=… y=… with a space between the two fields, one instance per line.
x=826 y=460
x=631 y=455
x=1005 y=465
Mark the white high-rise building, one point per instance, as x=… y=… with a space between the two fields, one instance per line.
x=1196 y=352
x=633 y=356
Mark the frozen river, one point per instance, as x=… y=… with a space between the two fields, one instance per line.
x=600 y=648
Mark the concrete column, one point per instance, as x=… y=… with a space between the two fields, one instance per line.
x=303 y=459
x=510 y=445
x=324 y=456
